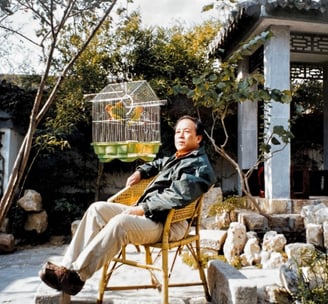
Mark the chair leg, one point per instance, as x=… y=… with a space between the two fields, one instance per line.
x=165 y=273
x=102 y=284
x=202 y=272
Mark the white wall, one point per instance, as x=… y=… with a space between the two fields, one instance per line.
x=11 y=142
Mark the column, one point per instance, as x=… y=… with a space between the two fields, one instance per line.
x=325 y=117
x=247 y=128
x=277 y=76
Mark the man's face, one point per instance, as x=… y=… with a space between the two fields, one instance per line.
x=185 y=137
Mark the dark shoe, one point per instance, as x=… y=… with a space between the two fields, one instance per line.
x=51 y=275
x=72 y=283
x=61 y=278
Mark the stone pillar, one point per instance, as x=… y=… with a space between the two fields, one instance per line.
x=247 y=127
x=325 y=117
x=277 y=76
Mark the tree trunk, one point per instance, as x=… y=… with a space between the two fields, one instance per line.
x=36 y=114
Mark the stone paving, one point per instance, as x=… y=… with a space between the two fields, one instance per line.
x=20 y=283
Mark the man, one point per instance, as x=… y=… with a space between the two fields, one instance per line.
x=106 y=227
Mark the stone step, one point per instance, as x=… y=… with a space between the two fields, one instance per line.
x=288 y=206
x=282 y=223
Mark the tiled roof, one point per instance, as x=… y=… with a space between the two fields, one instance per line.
x=247 y=12
x=319 y=5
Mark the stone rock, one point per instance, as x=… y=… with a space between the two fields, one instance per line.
x=314 y=234
x=57 y=240
x=251 y=234
x=235 y=242
x=37 y=221
x=74 y=226
x=276 y=294
x=253 y=221
x=228 y=285
x=316 y=274
x=271 y=259
x=7 y=242
x=212 y=239
x=299 y=253
x=325 y=234
x=211 y=197
x=222 y=220
x=251 y=253
x=30 y=201
x=289 y=278
x=208 y=223
x=272 y=241
x=286 y=222
x=315 y=214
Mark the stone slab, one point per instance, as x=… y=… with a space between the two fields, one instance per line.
x=228 y=285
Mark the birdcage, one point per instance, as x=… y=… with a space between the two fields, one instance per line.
x=126 y=122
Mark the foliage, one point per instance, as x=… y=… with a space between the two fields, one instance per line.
x=16 y=101
x=312 y=276
x=220 y=90
x=307 y=97
x=126 y=52
x=53 y=19
x=229 y=204
x=307 y=108
x=162 y=56
x=206 y=256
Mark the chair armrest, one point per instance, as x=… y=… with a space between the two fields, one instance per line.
x=129 y=195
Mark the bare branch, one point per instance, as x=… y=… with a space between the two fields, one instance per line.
x=19 y=34
x=36 y=115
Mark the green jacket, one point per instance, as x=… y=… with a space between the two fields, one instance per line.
x=179 y=181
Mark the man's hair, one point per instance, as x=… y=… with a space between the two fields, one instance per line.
x=198 y=126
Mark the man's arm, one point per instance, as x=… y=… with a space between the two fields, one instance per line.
x=133 y=179
x=135 y=210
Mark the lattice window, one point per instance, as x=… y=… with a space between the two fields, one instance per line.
x=298 y=70
x=314 y=44
x=306 y=71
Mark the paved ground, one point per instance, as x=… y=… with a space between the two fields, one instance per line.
x=19 y=273
x=19 y=281
x=20 y=284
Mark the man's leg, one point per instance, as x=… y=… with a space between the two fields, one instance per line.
x=99 y=237
x=93 y=221
x=63 y=277
x=120 y=230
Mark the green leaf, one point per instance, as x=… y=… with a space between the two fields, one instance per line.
x=275 y=141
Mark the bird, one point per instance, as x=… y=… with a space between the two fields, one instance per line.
x=135 y=113
x=116 y=111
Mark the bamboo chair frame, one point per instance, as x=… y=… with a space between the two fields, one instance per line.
x=191 y=241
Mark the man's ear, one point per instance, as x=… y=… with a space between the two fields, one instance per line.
x=199 y=138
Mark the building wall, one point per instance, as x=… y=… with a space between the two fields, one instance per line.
x=11 y=142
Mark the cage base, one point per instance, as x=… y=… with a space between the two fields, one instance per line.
x=128 y=151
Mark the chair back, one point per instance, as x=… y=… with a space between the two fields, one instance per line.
x=190 y=213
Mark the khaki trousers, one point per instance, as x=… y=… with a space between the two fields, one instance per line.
x=102 y=232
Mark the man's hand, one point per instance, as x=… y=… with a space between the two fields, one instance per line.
x=135 y=210
x=133 y=179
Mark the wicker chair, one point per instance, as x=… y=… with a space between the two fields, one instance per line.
x=191 y=241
